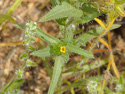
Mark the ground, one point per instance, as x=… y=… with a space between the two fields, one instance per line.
x=36 y=79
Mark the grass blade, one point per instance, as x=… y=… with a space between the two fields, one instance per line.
x=7 y=17
x=12 y=9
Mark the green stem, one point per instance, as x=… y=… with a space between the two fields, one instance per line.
x=7 y=87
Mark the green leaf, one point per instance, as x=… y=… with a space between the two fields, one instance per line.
x=7 y=17
x=61 y=11
x=30 y=63
x=85 y=68
x=108 y=90
x=22 y=27
x=69 y=35
x=4 y=89
x=76 y=49
x=80 y=83
x=82 y=1
x=59 y=62
x=61 y=21
x=83 y=38
x=121 y=80
x=55 y=2
x=47 y=65
x=12 y=9
x=31 y=47
x=42 y=53
x=45 y=36
x=24 y=55
x=66 y=57
x=89 y=13
x=114 y=26
x=119 y=1
x=17 y=83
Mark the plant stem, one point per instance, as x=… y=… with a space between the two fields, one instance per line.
x=7 y=87
x=70 y=21
x=111 y=55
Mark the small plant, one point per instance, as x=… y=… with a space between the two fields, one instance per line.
x=69 y=14
x=92 y=87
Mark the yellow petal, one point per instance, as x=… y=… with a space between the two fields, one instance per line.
x=100 y=22
x=110 y=24
x=114 y=67
x=103 y=42
x=63 y=49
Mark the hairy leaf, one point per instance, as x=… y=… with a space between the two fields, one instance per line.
x=22 y=27
x=83 y=38
x=61 y=11
x=42 y=53
x=59 y=62
x=45 y=36
x=75 y=49
x=89 y=13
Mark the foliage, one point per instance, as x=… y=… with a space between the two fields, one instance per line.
x=69 y=14
x=8 y=14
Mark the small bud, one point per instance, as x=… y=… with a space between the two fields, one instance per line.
x=19 y=73
x=31 y=25
x=119 y=87
x=29 y=33
x=30 y=63
x=91 y=86
x=120 y=10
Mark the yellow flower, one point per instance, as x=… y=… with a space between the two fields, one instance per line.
x=63 y=49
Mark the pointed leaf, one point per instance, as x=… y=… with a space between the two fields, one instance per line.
x=16 y=84
x=89 y=13
x=80 y=83
x=45 y=36
x=75 y=49
x=22 y=27
x=42 y=53
x=7 y=17
x=69 y=35
x=100 y=22
x=30 y=63
x=104 y=42
x=114 y=67
x=108 y=90
x=121 y=80
x=76 y=68
x=59 y=62
x=120 y=1
x=61 y=11
x=83 y=38
x=12 y=9
x=55 y=2
x=24 y=55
